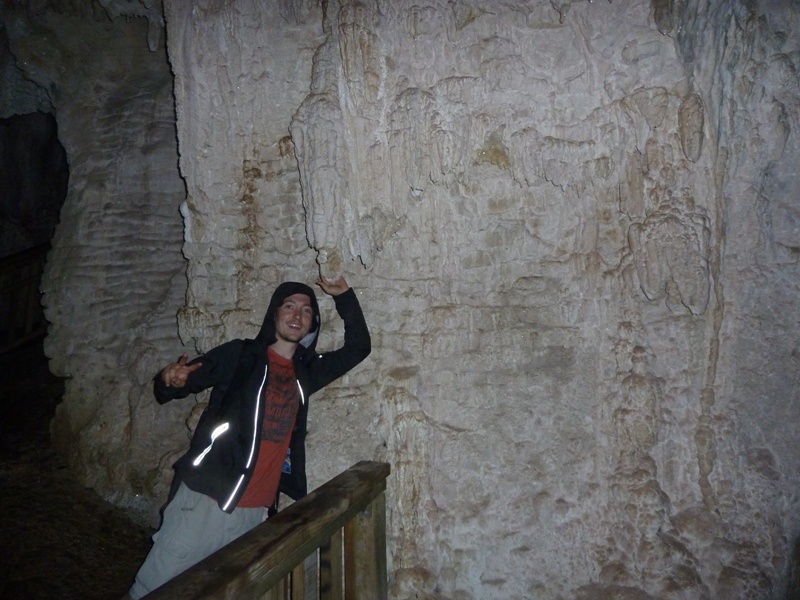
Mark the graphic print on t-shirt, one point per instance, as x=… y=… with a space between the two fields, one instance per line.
x=282 y=401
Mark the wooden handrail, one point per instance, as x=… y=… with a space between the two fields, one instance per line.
x=21 y=315
x=345 y=519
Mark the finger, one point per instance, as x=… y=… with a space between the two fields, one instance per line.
x=332 y=286
x=183 y=359
x=192 y=368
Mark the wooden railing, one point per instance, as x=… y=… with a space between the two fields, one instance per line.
x=331 y=545
x=21 y=315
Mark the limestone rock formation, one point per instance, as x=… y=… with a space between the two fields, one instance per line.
x=574 y=229
x=115 y=276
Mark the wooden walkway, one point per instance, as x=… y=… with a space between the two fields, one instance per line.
x=338 y=533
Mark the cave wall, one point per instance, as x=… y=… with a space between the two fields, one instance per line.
x=115 y=276
x=575 y=231
x=574 y=228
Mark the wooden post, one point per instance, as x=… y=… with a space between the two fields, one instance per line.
x=298 y=582
x=330 y=569
x=365 y=553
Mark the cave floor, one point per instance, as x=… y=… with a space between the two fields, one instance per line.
x=58 y=539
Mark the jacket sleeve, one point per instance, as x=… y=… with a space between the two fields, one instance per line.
x=329 y=366
x=216 y=364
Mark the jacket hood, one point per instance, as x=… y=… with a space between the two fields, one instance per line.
x=283 y=291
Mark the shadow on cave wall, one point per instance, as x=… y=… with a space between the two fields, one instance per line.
x=33 y=181
x=33 y=186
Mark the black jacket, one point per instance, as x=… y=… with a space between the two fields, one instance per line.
x=224 y=447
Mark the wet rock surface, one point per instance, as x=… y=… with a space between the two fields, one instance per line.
x=58 y=539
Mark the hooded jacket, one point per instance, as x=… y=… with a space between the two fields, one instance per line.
x=225 y=444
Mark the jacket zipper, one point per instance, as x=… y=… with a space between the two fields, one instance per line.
x=256 y=429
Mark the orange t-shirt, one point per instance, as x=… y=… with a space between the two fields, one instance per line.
x=282 y=399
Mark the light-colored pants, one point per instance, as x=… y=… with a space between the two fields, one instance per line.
x=194 y=526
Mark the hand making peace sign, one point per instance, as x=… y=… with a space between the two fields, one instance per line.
x=175 y=374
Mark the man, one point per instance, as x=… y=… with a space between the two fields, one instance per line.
x=234 y=468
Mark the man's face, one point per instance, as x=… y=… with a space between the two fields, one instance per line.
x=293 y=318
